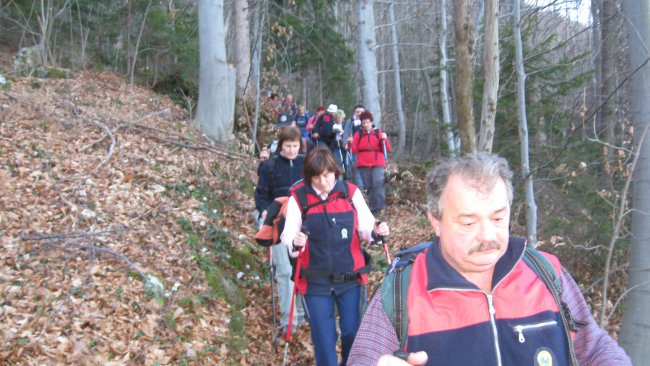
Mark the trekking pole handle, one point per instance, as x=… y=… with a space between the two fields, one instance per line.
x=401 y=355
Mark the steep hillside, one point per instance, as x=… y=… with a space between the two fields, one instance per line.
x=125 y=237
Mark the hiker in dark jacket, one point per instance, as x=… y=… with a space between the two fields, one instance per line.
x=302 y=118
x=276 y=176
x=332 y=266
x=369 y=146
x=350 y=127
x=323 y=129
x=472 y=299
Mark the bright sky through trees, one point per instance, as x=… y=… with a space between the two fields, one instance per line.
x=578 y=10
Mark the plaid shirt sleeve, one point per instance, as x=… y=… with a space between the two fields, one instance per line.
x=375 y=337
x=592 y=344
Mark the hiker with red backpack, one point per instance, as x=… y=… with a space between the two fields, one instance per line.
x=475 y=295
x=326 y=220
x=276 y=176
x=371 y=146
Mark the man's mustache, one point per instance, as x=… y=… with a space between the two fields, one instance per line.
x=492 y=244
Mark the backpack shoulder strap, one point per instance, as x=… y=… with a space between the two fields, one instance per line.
x=394 y=289
x=545 y=271
x=272 y=163
x=301 y=194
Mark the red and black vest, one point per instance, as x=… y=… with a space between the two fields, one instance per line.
x=333 y=256
x=458 y=324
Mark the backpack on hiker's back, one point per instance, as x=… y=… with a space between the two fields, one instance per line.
x=269 y=233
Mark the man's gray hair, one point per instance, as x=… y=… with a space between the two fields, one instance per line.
x=481 y=170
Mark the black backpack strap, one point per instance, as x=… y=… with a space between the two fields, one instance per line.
x=545 y=271
x=301 y=193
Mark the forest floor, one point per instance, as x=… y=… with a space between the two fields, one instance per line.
x=116 y=216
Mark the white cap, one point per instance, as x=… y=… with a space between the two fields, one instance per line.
x=332 y=108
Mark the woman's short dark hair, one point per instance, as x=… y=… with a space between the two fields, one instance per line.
x=318 y=161
x=290 y=133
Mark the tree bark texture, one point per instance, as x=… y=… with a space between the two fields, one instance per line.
x=609 y=28
x=635 y=337
x=531 y=206
x=401 y=120
x=368 y=58
x=243 y=46
x=464 y=76
x=216 y=107
x=444 y=83
x=490 y=76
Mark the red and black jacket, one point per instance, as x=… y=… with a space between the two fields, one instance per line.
x=333 y=259
x=456 y=323
x=369 y=146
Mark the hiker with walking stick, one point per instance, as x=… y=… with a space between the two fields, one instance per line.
x=333 y=266
x=339 y=152
x=372 y=146
x=276 y=176
x=330 y=132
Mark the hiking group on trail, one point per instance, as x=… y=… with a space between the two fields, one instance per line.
x=473 y=296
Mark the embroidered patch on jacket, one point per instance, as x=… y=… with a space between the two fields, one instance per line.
x=544 y=357
x=344 y=233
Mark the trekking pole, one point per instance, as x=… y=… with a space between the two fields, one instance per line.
x=274 y=340
x=338 y=143
x=383 y=146
x=287 y=337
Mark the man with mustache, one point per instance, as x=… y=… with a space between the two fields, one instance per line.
x=472 y=299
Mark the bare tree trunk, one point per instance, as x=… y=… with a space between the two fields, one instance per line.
x=256 y=69
x=531 y=212
x=368 y=58
x=608 y=56
x=217 y=79
x=129 y=26
x=84 y=32
x=444 y=88
x=137 y=43
x=634 y=337
x=243 y=46
x=597 y=44
x=401 y=120
x=490 y=75
x=46 y=24
x=464 y=76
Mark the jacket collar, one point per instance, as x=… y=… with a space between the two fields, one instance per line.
x=338 y=187
x=441 y=275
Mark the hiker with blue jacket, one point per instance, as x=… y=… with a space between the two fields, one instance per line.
x=474 y=297
x=326 y=220
x=276 y=176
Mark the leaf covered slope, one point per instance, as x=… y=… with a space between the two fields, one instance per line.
x=125 y=237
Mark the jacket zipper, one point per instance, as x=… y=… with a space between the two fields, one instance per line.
x=491 y=309
x=291 y=170
x=493 y=323
x=521 y=328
